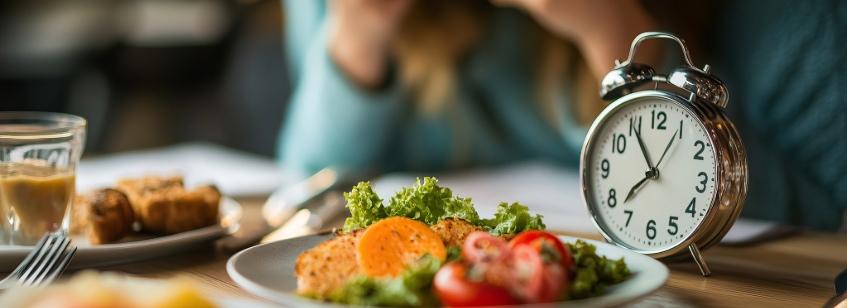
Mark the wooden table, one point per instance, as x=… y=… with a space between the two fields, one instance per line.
x=797 y=271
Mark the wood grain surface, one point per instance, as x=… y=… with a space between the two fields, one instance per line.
x=796 y=271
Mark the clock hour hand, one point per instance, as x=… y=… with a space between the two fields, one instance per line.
x=650 y=174
x=643 y=149
x=667 y=148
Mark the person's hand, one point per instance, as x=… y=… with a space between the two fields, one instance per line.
x=601 y=29
x=360 y=35
x=575 y=20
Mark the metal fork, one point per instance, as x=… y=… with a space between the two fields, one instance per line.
x=43 y=265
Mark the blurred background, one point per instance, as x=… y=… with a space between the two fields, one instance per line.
x=149 y=73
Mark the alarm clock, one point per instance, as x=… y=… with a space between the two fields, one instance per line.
x=663 y=170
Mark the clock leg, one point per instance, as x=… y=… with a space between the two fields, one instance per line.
x=695 y=252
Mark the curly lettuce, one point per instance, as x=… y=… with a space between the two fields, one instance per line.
x=365 y=207
x=429 y=203
x=411 y=289
x=512 y=219
x=593 y=272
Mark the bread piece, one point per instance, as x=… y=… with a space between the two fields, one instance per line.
x=186 y=210
x=150 y=184
x=329 y=265
x=163 y=206
x=110 y=216
x=453 y=231
x=104 y=215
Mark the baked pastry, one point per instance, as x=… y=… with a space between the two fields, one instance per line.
x=105 y=215
x=162 y=204
x=110 y=216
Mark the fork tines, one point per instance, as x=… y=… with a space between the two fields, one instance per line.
x=47 y=261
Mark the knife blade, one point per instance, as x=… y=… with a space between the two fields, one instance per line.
x=313 y=219
x=284 y=203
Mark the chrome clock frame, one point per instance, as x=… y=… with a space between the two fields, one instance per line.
x=705 y=103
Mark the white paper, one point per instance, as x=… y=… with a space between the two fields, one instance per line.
x=546 y=189
x=234 y=172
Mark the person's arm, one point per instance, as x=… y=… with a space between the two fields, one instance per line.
x=331 y=121
x=602 y=29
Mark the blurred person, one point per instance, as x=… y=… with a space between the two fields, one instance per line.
x=434 y=85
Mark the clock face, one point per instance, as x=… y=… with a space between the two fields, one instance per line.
x=649 y=174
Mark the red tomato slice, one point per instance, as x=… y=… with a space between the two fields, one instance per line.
x=455 y=290
x=528 y=273
x=537 y=282
x=538 y=238
x=555 y=284
x=482 y=247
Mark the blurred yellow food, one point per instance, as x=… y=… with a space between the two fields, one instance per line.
x=109 y=290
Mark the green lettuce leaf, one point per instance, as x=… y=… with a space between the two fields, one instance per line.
x=411 y=289
x=429 y=203
x=512 y=219
x=594 y=272
x=365 y=207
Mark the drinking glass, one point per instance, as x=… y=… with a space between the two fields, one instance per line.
x=39 y=153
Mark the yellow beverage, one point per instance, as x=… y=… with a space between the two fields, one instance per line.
x=36 y=199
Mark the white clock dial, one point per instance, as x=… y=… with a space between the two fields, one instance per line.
x=670 y=189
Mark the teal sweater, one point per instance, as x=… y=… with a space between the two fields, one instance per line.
x=495 y=118
x=785 y=64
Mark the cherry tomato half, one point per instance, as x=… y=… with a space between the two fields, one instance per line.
x=481 y=247
x=455 y=290
x=538 y=238
x=536 y=282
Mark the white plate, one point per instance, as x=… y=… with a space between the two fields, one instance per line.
x=268 y=271
x=135 y=248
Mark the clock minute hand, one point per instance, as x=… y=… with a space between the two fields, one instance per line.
x=643 y=149
x=667 y=148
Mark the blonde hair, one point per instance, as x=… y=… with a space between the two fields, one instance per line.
x=437 y=34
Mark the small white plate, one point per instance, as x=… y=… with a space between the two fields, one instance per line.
x=268 y=271
x=135 y=248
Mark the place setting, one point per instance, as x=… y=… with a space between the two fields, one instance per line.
x=649 y=214
x=49 y=226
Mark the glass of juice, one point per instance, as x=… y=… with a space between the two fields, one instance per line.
x=39 y=153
